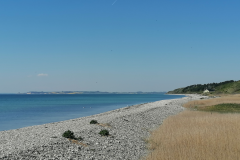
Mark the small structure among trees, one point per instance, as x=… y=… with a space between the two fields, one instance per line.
x=206 y=91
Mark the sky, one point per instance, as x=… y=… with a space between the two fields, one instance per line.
x=117 y=45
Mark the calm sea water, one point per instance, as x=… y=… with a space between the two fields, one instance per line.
x=17 y=111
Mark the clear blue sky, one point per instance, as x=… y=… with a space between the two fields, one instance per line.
x=123 y=45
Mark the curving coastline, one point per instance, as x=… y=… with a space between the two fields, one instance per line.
x=128 y=127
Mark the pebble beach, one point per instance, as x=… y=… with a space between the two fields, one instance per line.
x=128 y=127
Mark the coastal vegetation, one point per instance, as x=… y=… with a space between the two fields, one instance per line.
x=104 y=132
x=197 y=135
x=222 y=108
x=194 y=134
x=69 y=134
x=227 y=87
x=225 y=103
x=93 y=122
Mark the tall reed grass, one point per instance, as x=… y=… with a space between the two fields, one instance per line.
x=214 y=101
x=196 y=135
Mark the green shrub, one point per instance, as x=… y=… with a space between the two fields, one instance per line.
x=69 y=134
x=93 y=122
x=104 y=132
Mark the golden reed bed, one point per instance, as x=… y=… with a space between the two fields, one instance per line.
x=196 y=135
x=214 y=101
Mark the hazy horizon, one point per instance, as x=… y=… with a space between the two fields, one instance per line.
x=79 y=91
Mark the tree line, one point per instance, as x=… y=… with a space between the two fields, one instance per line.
x=202 y=87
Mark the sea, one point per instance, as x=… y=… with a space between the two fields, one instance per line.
x=22 y=110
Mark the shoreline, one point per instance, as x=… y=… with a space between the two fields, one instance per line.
x=128 y=127
x=23 y=111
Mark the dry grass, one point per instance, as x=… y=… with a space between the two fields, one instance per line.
x=214 y=101
x=195 y=135
x=77 y=142
x=104 y=124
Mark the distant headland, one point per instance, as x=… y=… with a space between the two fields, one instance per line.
x=227 y=87
x=90 y=92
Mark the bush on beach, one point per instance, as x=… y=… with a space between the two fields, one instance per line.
x=93 y=122
x=104 y=132
x=69 y=134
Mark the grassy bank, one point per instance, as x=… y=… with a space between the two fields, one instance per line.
x=201 y=104
x=199 y=135
x=222 y=108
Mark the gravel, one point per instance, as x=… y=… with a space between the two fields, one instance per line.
x=128 y=127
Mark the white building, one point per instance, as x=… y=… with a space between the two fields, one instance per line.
x=206 y=91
